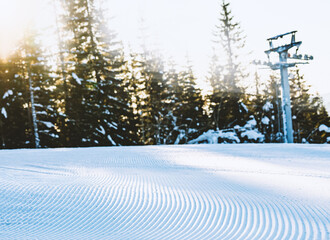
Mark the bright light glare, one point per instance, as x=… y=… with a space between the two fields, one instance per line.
x=15 y=17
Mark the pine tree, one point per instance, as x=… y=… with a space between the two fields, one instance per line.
x=174 y=103
x=232 y=41
x=256 y=101
x=29 y=109
x=188 y=109
x=215 y=80
x=225 y=101
x=150 y=94
x=42 y=93
x=270 y=113
x=308 y=111
x=156 y=113
x=14 y=116
x=135 y=83
x=97 y=111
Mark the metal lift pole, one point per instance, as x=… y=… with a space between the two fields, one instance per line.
x=283 y=66
x=286 y=102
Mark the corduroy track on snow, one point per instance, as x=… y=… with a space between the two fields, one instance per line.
x=140 y=193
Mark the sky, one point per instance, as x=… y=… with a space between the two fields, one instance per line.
x=183 y=28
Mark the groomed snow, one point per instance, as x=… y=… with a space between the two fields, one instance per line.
x=246 y=191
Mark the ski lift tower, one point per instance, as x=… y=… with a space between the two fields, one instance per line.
x=283 y=66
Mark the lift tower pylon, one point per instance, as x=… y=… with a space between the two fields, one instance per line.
x=283 y=65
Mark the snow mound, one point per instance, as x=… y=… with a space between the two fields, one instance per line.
x=265 y=120
x=252 y=134
x=212 y=137
x=267 y=106
x=324 y=128
x=166 y=192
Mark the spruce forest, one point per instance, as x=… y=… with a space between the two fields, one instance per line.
x=93 y=92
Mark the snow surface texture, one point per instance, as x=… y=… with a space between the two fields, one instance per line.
x=166 y=192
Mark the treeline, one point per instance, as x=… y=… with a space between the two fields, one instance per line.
x=93 y=93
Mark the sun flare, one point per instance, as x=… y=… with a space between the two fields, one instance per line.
x=15 y=17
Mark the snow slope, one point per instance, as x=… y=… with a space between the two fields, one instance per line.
x=166 y=192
